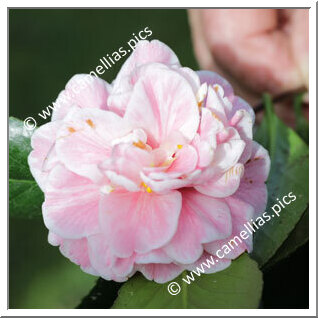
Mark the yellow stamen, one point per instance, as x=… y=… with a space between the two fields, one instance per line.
x=71 y=130
x=140 y=144
x=179 y=146
x=90 y=123
x=148 y=189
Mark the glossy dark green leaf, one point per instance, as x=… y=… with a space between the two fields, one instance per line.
x=19 y=149
x=298 y=237
x=239 y=286
x=289 y=173
x=25 y=197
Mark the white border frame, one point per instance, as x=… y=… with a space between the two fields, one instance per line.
x=312 y=162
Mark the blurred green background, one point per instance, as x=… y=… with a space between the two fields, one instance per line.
x=46 y=48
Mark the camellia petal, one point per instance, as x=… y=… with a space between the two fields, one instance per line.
x=139 y=221
x=203 y=219
x=150 y=109
x=85 y=140
x=252 y=189
x=71 y=203
x=81 y=91
x=212 y=78
x=241 y=213
x=43 y=157
x=108 y=265
x=224 y=185
x=160 y=273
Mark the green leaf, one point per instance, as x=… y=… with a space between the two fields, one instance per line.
x=25 y=197
x=289 y=173
x=239 y=286
x=19 y=149
x=298 y=237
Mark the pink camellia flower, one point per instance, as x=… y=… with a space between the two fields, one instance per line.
x=153 y=173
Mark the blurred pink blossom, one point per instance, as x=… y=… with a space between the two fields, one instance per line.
x=258 y=50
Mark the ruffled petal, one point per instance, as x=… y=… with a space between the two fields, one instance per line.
x=241 y=213
x=243 y=123
x=240 y=104
x=126 y=162
x=75 y=250
x=145 y=53
x=202 y=219
x=71 y=202
x=81 y=91
x=148 y=52
x=157 y=106
x=258 y=166
x=139 y=221
x=212 y=78
x=85 y=140
x=210 y=126
x=162 y=182
x=252 y=189
x=160 y=273
x=224 y=185
x=43 y=156
x=108 y=265
x=217 y=106
x=185 y=161
x=158 y=256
